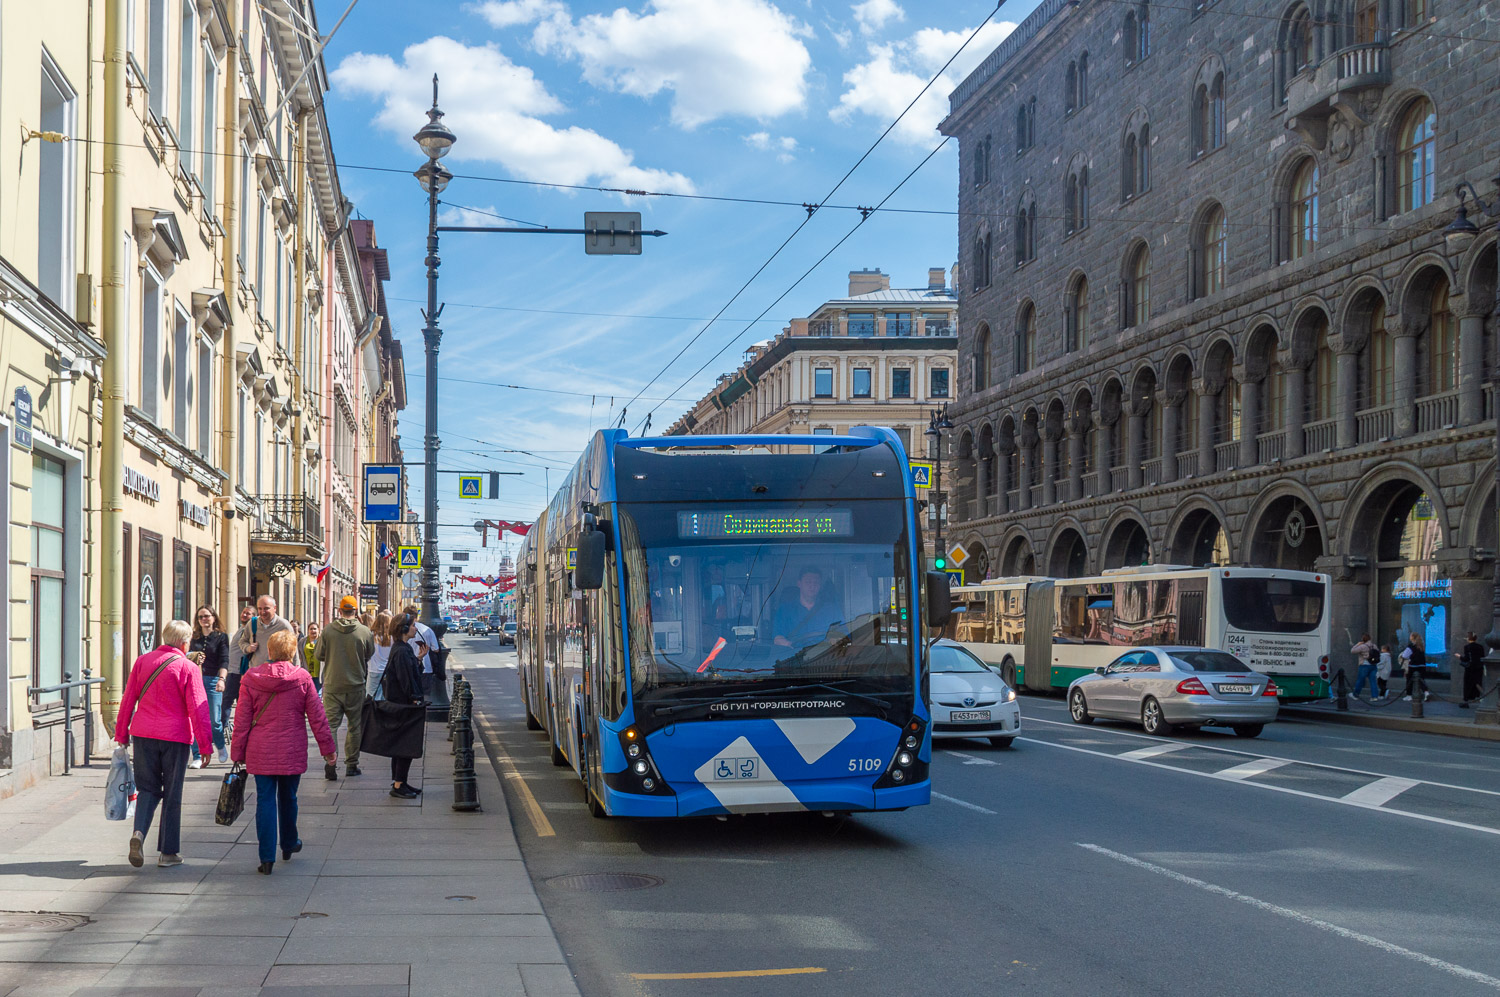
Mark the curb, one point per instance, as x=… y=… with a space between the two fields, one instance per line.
x=1451 y=728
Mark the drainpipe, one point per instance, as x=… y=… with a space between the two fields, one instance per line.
x=299 y=325
x=229 y=362
x=114 y=323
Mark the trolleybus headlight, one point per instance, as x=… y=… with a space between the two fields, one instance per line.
x=634 y=751
x=911 y=741
x=903 y=759
x=648 y=784
x=641 y=768
x=897 y=775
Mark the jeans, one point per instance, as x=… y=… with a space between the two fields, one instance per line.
x=160 y=767
x=275 y=809
x=215 y=711
x=1366 y=674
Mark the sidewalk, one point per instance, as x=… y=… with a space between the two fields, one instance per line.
x=388 y=898
x=1441 y=716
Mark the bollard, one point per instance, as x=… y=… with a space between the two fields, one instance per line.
x=1418 y=692
x=458 y=679
x=1341 y=684
x=465 y=785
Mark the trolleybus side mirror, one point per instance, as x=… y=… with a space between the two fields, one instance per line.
x=589 y=573
x=939 y=599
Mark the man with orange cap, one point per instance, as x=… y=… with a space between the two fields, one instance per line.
x=345 y=649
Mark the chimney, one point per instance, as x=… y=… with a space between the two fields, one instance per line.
x=865 y=281
x=937 y=279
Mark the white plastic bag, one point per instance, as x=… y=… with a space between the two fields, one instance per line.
x=119 y=788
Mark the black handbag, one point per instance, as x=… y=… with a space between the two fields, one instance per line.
x=393 y=730
x=231 y=797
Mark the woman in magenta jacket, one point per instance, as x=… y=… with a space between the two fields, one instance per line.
x=165 y=710
x=277 y=702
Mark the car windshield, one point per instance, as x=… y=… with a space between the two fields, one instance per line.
x=783 y=594
x=948 y=660
x=1273 y=605
x=1207 y=661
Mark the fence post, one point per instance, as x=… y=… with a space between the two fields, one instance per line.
x=465 y=785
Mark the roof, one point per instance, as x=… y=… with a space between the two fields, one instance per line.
x=1004 y=52
x=920 y=296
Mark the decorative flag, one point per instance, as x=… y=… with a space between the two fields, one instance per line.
x=324 y=570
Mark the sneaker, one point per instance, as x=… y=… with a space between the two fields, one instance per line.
x=352 y=770
x=331 y=773
x=137 y=844
x=404 y=793
x=223 y=755
x=196 y=763
x=168 y=859
x=1406 y=699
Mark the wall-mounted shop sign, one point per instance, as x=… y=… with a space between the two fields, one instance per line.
x=195 y=513
x=141 y=485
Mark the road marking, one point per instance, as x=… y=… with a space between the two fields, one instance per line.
x=965 y=803
x=728 y=974
x=1274 y=788
x=1152 y=750
x=969 y=759
x=1462 y=972
x=1254 y=767
x=539 y=821
x=1381 y=791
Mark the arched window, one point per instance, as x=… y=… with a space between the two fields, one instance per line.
x=1143 y=161
x=1367 y=22
x=1416 y=157
x=1301 y=47
x=1135 y=161
x=1072 y=88
x=1021 y=141
x=1137 y=34
x=981 y=359
x=1138 y=288
x=1304 y=209
x=1382 y=361
x=982 y=261
x=1025 y=232
x=1026 y=340
x=1070 y=205
x=1076 y=208
x=979 y=165
x=1083 y=79
x=1216 y=112
x=1211 y=251
x=1321 y=400
x=1077 y=317
x=1442 y=343
x=1128 y=187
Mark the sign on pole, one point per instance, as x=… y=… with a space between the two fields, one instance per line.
x=921 y=473
x=470 y=486
x=410 y=558
x=21 y=434
x=955 y=576
x=957 y=555
x=612 y=233
x=382 y=493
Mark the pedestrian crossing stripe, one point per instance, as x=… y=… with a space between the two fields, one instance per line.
x=410 y=557
x=470 y=486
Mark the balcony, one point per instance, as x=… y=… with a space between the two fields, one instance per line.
x=822 y=327
x=1437 y=412
x=1269 y=447
x=938 y=328
x=1119 y=479
x=1187 y=464
x=289 y=524
x=1226 y=455
x=1314 y=93
x=1320 y=436
x=1151 y=472
x=1376 y=424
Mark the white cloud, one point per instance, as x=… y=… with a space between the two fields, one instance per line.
x=509 y=13
x=495 y=107
x=729 y=58
x=786 y=145
x=873 y=15
x=884 y=84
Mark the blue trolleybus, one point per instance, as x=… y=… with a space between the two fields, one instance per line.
x=707 y=627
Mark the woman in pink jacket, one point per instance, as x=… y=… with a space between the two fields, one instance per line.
x=277 y=702
x=165 y=710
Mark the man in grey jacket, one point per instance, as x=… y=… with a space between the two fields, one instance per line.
x=254 y=635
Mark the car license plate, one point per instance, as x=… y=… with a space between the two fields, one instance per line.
x=1234 y=688
x=959 y=716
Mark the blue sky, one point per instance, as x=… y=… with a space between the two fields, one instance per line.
x=770 y=99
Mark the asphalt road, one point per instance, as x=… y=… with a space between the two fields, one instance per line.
x=1314 y=859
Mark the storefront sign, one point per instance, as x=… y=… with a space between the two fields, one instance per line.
x=194 y=513
x=141 y=485
x=21 y=435
x=369 y=590
x=147 y=613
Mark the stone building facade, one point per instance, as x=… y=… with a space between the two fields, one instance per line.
x=1207 y=310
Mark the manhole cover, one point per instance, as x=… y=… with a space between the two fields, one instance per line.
x=604 y=882
x=16 y=920
x=311 y=913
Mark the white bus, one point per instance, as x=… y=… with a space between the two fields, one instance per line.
x=1275 y=621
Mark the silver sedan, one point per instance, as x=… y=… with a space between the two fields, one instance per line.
x=1163 y=688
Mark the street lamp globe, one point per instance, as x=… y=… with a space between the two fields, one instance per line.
x=432 y=176
x=435 y=138
x=1461 y=232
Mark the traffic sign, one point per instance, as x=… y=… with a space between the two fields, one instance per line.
x=470 y=486
x=921 y=473
x=955 y=576
x=612 y=233
x=958 y=554
x=572 y=561
x=410 y=558
x=21 y=434
x=382 y=493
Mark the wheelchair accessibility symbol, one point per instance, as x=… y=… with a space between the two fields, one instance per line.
x=726 y=769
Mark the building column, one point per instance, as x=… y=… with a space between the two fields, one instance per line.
x=1347 y=386
x=1028 y=452
x=1205 y=441
x=1296 y=409
x=1102 y=434
x=1135 y=431
x=1470 y=366
x=1249 y=421
x=1406 y=379
x=1171 y=414
x=1002 y=483
x=1049 y=467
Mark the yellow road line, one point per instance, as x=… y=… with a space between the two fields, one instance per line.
x=533 y=809
x=728 y=974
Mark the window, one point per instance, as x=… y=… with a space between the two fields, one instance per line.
x=1138 y=287
x=938 y=382
x=1135 y=163
x=1143 y=161
x=187 y=72
x=1142 y=39
x=151 y=344
x=48 y=494
x=207 y=173
x=181 y=361
x=1083 y=79
x=1416 y=13
x=1274 y=416
x=276 y=305
x=823 y=382
x=204 y=395
x=1320 y=400
x=1026 y=233
x=982 y=261
x=822 y=431
x=1071 y=87
x=259 y=444
x=1304 y=209
x=903 y=433
x=1026 y=340
x=260 y=255
x=1302 y=41
x=1382 y=361
x=982 y=162
x=936 y=324
x=56 y=188
x=1367 y=22
x=1416 y=157
x=182 y=581
x=1212 y=253
x=244 y=204
x=1208 y=116
x=901 y=382
x=1022 y=141
x=1076 y=207
x=1077 y=316
x=1442 y=343
x=156 y=58
x=981 y=359
x=898 y=324
x=861 y=323
x=861 y=382
x=205 y=579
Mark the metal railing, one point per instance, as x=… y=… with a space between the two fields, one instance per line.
x=1187 y=464
x=66 y=687
x=938 y=328
x=861 y=327
x=895 y=327
x=1437 y=412
x=1375 y=424
x=1227 y=455
x=1269 y=447
x=1320 y=436
x=290 y=519
x=822 y=327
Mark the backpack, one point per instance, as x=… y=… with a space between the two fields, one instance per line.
x=1373 y=655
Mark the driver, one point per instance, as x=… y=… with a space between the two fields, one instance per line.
x=805 y=620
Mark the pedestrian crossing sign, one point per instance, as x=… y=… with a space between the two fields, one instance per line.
x=410 y=558
x=955 y=576
x=470 y=486
x=921 y=473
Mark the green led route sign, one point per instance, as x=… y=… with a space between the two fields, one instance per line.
x=765 y=525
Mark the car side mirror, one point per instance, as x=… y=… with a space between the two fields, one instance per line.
x=588 y=573
x=939 y=599
x=1100 y=670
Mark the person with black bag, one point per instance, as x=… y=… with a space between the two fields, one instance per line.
x=1472 y=659
x=395 y=722
x=277 y=703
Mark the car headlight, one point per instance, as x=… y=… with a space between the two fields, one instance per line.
x=1009 y=697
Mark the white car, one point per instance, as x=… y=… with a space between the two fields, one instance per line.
x=969 y=698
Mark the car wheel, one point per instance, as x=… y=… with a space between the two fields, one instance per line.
x=1152 y=720
x=1008 y=672
x=1001 y=742
x=1249 y=730
x=1078 y=707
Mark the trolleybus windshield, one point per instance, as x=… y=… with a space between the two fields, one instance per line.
x=722 y=598
x=1273 y=605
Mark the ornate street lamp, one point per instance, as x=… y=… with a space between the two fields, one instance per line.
x=1459 y=235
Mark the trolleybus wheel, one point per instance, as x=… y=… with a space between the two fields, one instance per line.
x=1078 y=708
x=1249 y=730
x=532 y=723
x=1151 y=718
x=1008 y=672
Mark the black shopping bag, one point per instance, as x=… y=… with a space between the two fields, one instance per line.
x=393 y=730
x=231 y=797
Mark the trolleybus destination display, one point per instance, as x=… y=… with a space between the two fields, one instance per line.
x=714 y=525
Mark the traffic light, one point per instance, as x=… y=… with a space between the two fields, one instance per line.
x=940 y=563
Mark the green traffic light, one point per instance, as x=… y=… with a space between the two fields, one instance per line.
x=939 y=563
